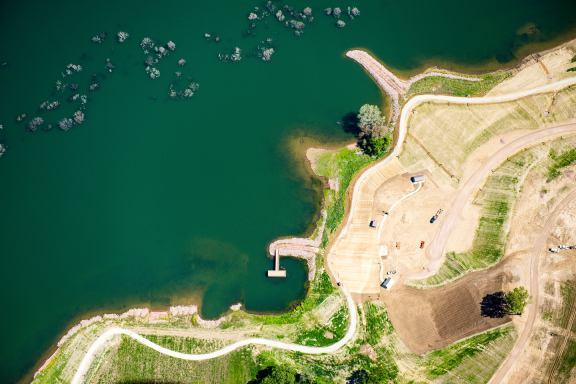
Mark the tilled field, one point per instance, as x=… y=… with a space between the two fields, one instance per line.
x=434 y=318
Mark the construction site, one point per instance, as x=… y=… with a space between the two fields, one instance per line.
x=493 y=178
x=411 y=262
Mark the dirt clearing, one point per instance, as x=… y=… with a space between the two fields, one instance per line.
x=434 y=318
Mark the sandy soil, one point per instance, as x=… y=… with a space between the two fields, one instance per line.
x=537 y=348
x=534 y=74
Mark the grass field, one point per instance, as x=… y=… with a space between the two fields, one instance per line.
x=473 y=360
x=453 y=87
x=377 y=323
x=452 y=132
x=132 y=362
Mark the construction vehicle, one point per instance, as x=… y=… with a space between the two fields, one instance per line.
x=433 y=219
x=390 y=272
x=398 y=244
x=554 y=250
x=421 y=244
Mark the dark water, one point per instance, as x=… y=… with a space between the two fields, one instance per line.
x=160 y=201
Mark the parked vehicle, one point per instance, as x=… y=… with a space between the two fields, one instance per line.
x=554 y=250
x=398 y=244
x=387 y=284
x=391 y=272
x=422 y=244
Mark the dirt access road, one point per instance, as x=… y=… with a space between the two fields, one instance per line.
x=435 y=252
x=534 y=290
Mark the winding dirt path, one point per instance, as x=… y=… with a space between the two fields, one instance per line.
x=534 y=290
x=106 y=336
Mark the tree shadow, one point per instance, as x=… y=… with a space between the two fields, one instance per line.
x=350 y=123
x=494 y=305
x=357 y=377
x=261 y=375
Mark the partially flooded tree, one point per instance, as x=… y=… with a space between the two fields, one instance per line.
x=516 y=301
x=369 y=119
x=373 y=135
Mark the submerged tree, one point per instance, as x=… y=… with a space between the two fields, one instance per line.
x=122 y=36
x=336 y=12
x=340 y=24
x=236 y=55
x=265 y=54
x=328 y=11
x=516 y=301
x=147 y=43
x=35 y=122
x=65 y=124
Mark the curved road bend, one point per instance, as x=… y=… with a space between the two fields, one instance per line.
x=533 y=310
x=87 y=360
x=413 y=102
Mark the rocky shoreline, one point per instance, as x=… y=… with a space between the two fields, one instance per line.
x=390 y=83
x=303 y=248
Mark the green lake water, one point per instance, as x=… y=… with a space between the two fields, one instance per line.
x=153 y=202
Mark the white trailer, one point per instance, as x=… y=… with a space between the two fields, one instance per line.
x=554 y=250
x=388 y=283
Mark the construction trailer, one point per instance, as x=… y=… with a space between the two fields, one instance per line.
x=417 y=178
x=387 y=283
x=374 y=223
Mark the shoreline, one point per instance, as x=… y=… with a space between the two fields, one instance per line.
x=137 y=313
x=294 y=240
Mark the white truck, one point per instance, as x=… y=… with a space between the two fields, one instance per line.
x=554 y=250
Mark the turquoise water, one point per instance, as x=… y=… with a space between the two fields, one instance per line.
x=158 y=201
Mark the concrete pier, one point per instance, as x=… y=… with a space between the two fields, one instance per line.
x=277 y=272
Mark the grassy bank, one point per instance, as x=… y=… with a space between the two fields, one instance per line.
x=342 y=165
x=454 y=87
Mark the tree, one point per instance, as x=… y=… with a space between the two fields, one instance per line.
x=516 y=301
x=369 y=119
x=376 y=146
x=280 y=375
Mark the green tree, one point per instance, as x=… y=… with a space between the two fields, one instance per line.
x=516 y=301
x=376 y=146
x=280 y=375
